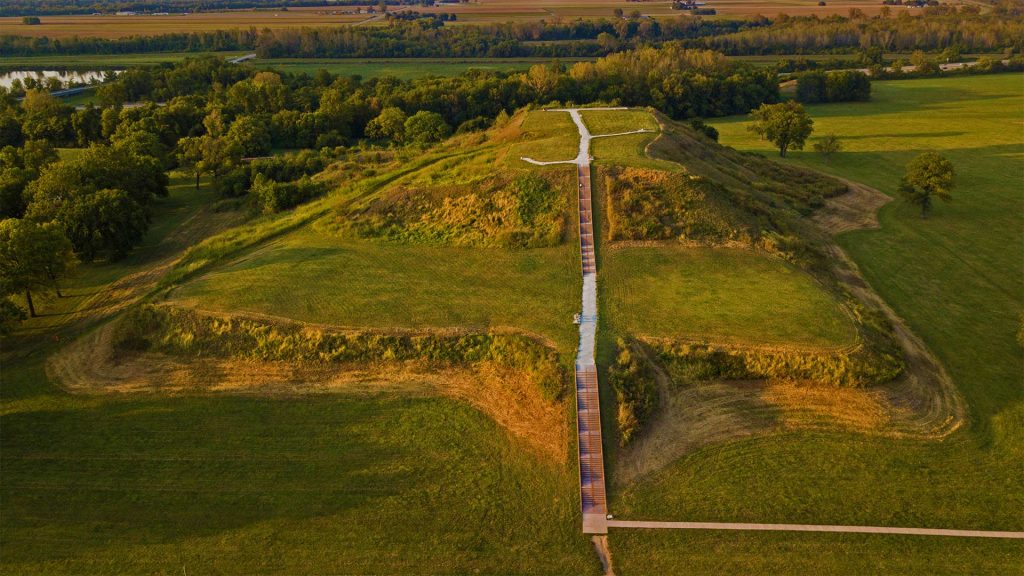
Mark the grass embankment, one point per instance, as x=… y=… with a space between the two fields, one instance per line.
x=956 y=278
x=241 y=481
x=363 y=483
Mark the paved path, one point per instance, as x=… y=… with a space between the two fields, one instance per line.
x=588 y=399
x=813 y=528
x=588 y=410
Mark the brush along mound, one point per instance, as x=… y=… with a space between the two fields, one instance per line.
x=159 y=349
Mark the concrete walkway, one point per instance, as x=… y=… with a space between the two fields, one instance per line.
x=593 y=500
x=813 y=528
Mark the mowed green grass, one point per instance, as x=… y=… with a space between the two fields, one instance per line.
x=718 y=295
x=315 y=277
x=627 y=150
x=320 y=484
x=615 y=121
x=548 y=136
x=956 y=278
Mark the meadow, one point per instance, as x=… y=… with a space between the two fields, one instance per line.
x=318 y=278
x=956 y=278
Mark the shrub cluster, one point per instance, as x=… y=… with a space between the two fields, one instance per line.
x=839 y=86
x=188 y=333
x=636 y=391
x=875 y=361
x=521 y=211
x=656 y=205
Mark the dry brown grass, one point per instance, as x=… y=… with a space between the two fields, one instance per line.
x=90 y=365
x=855 y=210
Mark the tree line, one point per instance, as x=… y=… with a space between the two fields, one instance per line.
x=420 y=38
x=935 y=29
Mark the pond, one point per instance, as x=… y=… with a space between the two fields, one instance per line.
x=66 y=77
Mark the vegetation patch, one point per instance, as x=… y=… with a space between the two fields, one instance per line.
x=183 y=332
x=689 y=363
x=656 y=205
x=636 y=392
x=523 y=210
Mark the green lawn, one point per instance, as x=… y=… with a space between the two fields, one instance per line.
x=318 y=278
x=547 y=137
x=718 y=294
x=245 y=485
x=957 y=279
x=615 y=121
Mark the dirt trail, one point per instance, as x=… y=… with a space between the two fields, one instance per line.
x=855 y=210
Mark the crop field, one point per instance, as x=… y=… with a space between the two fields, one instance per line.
x=480 y=12
x=957 y=282
x=111 y=26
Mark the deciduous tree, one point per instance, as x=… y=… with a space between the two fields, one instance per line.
x=786 y=125
x=929 y=175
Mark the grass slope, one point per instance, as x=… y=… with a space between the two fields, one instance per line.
x=956 y=278
x=243 y=485
x=317 y=278
x=718 y=294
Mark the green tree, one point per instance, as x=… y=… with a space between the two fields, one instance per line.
x=786 y=125
x=828 y=145
x=33 y=257
x=929 y=175
x=251 y=134
x=424 y=127
x=106 y=221
x=190 y=155
x=388 y=125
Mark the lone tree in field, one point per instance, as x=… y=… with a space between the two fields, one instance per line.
x=927 y=175
x=828 y=145
x=786 y=125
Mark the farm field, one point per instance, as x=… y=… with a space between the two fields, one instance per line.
x=111 y=26
x=480 y=12
x=102 y=61
x=969 y=319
